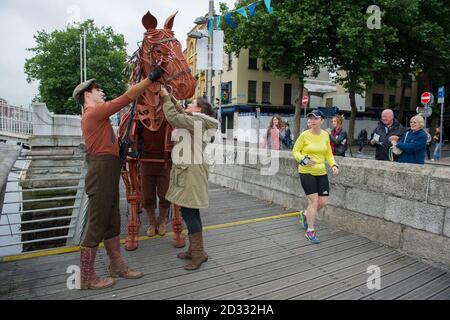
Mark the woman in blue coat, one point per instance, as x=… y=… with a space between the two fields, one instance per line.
x=413 y=142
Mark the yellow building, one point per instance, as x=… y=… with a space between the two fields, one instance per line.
x=191 y=58
x=246 y=88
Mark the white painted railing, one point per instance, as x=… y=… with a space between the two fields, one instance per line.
x=16 y=120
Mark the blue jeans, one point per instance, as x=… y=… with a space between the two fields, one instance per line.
x=436 y=153
x=192 y=219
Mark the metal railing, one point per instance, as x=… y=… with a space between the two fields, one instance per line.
x=16 y=231
x=16 y=120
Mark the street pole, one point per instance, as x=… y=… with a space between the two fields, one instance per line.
x=441 y=133
x=85 y=56
x=210 y=50
x=219 y=116
x=81 y=58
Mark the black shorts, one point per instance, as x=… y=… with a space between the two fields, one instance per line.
x=315 y=184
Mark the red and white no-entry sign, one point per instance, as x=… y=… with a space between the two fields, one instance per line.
x=305 y=100
x=425 y=98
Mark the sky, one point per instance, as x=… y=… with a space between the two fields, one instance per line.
x=21 y=19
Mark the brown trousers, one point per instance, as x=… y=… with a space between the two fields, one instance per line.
x=155 y=180
x=102 y=188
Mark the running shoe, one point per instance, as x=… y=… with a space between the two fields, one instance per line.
x=312 y=237
x=303 y=219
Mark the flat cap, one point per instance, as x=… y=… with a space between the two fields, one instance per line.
x=81 y=88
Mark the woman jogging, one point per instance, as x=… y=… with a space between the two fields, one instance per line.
x=312 y=150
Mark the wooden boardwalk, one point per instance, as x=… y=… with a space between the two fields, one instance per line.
x=267 y=260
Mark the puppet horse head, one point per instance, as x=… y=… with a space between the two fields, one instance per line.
x=161 y=48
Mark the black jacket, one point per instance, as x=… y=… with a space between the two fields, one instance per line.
x=340 y=142
x=382 y=149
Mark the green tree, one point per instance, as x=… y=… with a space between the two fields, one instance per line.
x=292 y=41
x=56 y=64
x=356 y=50
x=422 y=41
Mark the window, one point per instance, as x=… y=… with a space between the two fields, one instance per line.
x=230 y=61
x=391 y=101
x=329 y=102
x=378 y=78
x=287 y=100
x=377 y=100
x=213 y=96
x=252 y=60
x=266 y=67
x=408 y=81
x=266 y=92
x=407 y=103
x=252 y=91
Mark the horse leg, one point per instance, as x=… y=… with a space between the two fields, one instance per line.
x=131 y=243
x=179 y=240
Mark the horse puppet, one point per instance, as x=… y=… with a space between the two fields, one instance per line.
x=145 y=124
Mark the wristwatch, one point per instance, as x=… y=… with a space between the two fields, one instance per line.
x=305 y=161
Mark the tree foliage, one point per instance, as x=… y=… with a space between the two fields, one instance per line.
x=56 y=64
x=356 y=50
x=301 y=36
x=422 y=41
x=292 y=40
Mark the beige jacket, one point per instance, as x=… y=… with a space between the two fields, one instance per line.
x=189 y=176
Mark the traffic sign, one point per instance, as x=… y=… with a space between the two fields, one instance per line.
x=425 y=99
x=424 y=112
x=305 y=100
x=441 y=95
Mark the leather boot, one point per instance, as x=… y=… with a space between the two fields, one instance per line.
x=89 y=279
x=151 y=231
x=161 y=229
x=197 y=252
x=186 y=255
x=118 y=267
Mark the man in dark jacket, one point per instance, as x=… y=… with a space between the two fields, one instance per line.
x=387 y=128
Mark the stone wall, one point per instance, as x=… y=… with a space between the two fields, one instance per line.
x=403 y=206
x=50 y=130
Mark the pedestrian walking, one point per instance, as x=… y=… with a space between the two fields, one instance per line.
x=102 y=180
x=388 y=127
x=437 y=145
x=312 y=150
x=287 y=141
x=413 y=143
x=362 y=139
x=338 y=136
x=188 y=187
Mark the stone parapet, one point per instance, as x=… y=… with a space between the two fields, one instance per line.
x=50 y=130
x=392 y=203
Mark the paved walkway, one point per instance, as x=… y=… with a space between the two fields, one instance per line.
x=261 y=253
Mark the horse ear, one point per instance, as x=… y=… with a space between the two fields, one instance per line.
x=169 y=22
x=149 y=21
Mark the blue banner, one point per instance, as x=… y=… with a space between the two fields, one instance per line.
x=230 y=21
x=252 y=8
x=242 y=12
x=268 y=6
x=218 y=22
x=210 y=25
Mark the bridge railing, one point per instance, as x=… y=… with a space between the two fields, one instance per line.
x=16 y=120
x=61 y=224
